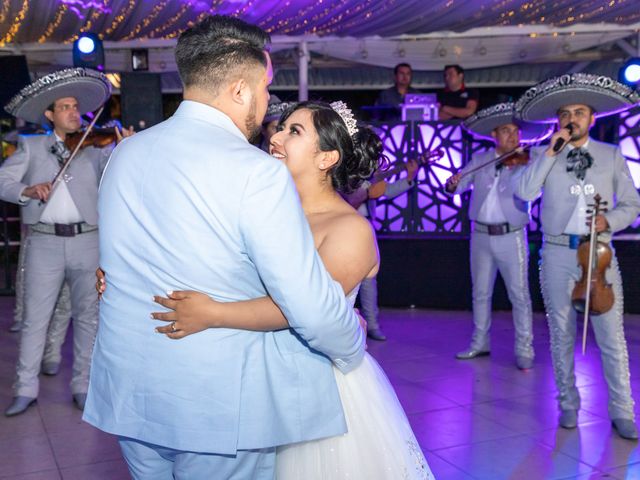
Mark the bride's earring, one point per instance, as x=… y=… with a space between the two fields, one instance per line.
x=322 y=166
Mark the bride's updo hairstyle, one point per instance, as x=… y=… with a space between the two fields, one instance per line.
x=360 y=153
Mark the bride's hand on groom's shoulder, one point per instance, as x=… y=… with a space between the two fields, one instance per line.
x=189 y=312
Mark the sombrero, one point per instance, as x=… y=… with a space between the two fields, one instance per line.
x=89 y=87
x=605 y=95
x=275 y=109
x=483 y=122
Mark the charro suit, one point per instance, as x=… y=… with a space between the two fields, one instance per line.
x=369 y=286
x=51 y=259
x=507 y=253
x=608 y=176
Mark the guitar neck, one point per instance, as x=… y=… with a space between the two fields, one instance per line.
x=380 y=176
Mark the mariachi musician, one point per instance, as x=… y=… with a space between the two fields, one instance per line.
x=570 y=173
x=62 y=217
x=364 y=200
x=499 y=236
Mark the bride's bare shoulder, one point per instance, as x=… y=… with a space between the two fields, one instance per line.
x=349 y=223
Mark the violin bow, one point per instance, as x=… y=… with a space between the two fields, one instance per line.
x=592 y=238
x=65 y=165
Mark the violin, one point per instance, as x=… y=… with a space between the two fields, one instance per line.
x=8 y=149
x=592 y=293
x=516 y=158
x=97 y=137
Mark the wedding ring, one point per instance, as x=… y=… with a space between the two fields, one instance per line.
x=173 y=327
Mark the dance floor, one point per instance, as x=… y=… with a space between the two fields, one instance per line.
x=477 y=419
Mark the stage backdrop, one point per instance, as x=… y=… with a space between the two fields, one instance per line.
x=424 y=234
x=426 y=211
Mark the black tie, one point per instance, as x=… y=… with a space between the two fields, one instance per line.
x=60 y=150
x=578 y=161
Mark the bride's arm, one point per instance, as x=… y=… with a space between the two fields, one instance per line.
x=348 y=252
x=193 y=312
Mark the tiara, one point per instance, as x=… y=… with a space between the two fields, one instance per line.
x=346 y=115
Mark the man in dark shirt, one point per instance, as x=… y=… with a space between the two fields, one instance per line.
x=394 y=96
x=456 y=101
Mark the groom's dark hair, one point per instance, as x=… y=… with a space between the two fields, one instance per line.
x=220 y=49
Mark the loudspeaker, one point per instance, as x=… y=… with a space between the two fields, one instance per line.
x=14 y=75
x=141 y=100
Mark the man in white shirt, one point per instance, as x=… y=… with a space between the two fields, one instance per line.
x=569 y=173
x=499 y=237
x=63 y=239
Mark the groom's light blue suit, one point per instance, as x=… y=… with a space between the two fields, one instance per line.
x=190 y=204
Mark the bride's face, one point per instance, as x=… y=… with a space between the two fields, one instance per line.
x=296 y=144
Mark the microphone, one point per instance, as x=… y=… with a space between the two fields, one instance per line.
x=560 y=141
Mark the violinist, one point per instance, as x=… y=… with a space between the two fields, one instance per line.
x=62 y=243
x=570 y=173
x=499 y=237
x=364 y=200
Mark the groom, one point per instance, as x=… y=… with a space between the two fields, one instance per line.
x=189 y=204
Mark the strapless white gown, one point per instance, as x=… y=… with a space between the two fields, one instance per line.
x=379 y=445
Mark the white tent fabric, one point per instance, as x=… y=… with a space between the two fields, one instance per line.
x=426 y=34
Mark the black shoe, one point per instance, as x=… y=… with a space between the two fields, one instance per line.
x=79 y=400
x=19 y=405
x=568 y=419
x=50 y=368
x=471 y=353
x=376 y=334
x=626 y=428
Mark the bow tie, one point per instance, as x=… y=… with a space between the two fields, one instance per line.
x=60 y=150
x=578 y=161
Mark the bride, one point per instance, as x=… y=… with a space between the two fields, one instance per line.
x=327 y=154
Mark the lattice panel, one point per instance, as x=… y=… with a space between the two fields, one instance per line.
x=394 y=215
x=629 y=140
x=426 y=209
x=436 y=211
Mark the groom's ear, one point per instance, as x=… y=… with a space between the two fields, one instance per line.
x=240 y=91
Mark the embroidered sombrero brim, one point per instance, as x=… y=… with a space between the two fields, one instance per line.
x=483 y=122
x=605 y=95
x=89 y=87
x=275 y=111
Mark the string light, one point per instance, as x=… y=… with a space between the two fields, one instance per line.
x=53 y=25
x=166 y=18
x=147 y=21
x=6 y=4
x=119 y=18
x=17 y=24
x=156 y=32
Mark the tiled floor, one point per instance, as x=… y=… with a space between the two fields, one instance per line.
x=478 y=419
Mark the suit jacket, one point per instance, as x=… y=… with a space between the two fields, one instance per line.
x=609 y=175
x=33 y=163
x=515 y=210
x=189 y=204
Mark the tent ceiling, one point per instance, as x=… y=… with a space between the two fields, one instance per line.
x=24 y=21
x=477 y=34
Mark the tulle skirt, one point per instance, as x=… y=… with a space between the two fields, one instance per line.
x=379 y=445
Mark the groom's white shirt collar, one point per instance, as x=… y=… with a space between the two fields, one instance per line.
x=209 y=114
